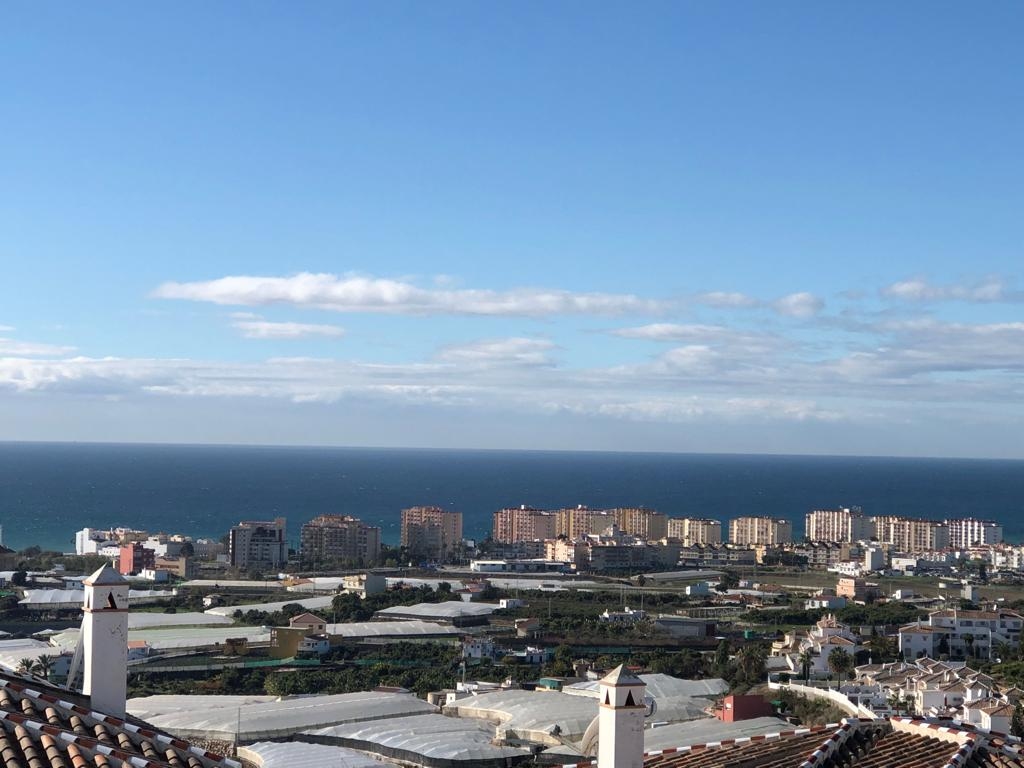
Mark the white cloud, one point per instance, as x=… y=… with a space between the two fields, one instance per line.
x=919 y=289
x=6 y=328
x=675 y=332
x=254 y=328
x=352 y=293
x=800 y=304
x=726 y=299
x=512 y=351
x=31 y=349
x=697 y=333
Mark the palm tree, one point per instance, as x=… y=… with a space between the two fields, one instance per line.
x=882 y=648
x=897 y=702
x=44 y=664
x=25 y=666
x=1003 y=651
x=969 y=639
x=806 y=659
x=840 y=662
x=750 y=661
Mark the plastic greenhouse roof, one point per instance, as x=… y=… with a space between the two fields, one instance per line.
x=452 y=609
x=145 y=707
x=145 y=620
x=677 y=699
x=309 y=603
x=296 y=754
x=707 y=730
x=662 y=687
x=530 y=714
x=393 y=629
x=179 y=638
x=283 y=718
x=430 y=736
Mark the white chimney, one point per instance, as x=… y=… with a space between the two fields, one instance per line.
x=621 y=720
x=105 y=641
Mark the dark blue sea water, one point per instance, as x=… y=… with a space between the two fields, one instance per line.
x=50 y=490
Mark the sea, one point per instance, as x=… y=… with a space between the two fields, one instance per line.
x=50 y=490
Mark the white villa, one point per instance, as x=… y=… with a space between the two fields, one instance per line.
x=930 y=688
x=961 y=634
x=819 y=642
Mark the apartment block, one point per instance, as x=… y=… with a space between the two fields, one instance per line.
x=695 y=530
x=908 y=534
x=753 y=531
x=844 y=525
x=258 y=544
x=135 y=558
x=339 y=538
x=970 y=532
x=580 y=521
x=524 y=524
x=645 y=524
x=431 y=533
x=961 y=634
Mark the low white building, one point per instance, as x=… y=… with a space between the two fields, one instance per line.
x=820 y=642
x=626 y=616
x=961 y=634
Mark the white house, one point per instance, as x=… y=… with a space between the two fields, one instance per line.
x=819 y=643
x=961 y=634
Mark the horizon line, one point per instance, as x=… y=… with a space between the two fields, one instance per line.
x=440 y=449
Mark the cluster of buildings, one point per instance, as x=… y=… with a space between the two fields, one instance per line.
x=843 y=539
x=428 y=534
x=938 y=689
x=904 y=534
x=153 y=556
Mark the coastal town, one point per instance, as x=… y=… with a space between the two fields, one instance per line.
x=734 y=640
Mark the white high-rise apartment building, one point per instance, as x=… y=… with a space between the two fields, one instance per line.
x=969 y=531
x=845 y=524
x=753 y=531
x=258 y=544
x=693 y=531
x=911 y=534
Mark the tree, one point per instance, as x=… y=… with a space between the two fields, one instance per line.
x=969 y=640
x=1017 y=721
x=750 y=663
x=19 y=578
x=25 y=665
x=44 y=665
x=806 y=659
x=897 y=702
x=1003 y=651
x=722 y=658
x=840 y=662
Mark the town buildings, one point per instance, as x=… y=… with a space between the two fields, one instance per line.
x=134 y=558
x=431 y=533
x=332 y=539
x=909 y=534
x=524 y=523
x=960 y=634
x=695 y=530
x=970 y=532
x=752 y=531
x=258 y=544
x=930 y=688
x=806 y=653
x=842 y=525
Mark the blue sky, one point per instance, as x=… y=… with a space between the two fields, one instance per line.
x=759 y=227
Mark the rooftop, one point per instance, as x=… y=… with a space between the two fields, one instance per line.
x=42 y=726
x=410 y=739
